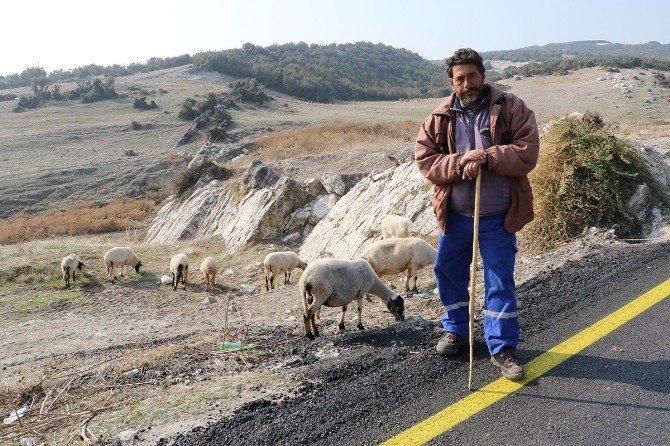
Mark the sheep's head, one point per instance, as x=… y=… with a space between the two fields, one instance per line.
x=397 y=308
x=302 y=265
x=137 y=267
x=80 y=265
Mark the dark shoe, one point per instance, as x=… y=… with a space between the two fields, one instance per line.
x=450 y=344
x=509 y=364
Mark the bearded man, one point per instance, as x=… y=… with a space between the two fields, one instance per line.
x=479 y=126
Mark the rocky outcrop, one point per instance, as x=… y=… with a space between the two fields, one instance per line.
x=213 y=210
x=346 y=228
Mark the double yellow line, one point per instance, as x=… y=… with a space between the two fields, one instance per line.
x=479 y=400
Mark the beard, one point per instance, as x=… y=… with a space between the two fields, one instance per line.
x=470 y=97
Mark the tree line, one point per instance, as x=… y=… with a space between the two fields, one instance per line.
x=25 y=78
x=583 y=48
x=325 y=73
x=565 y=65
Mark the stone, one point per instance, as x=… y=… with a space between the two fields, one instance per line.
x=314 y=187
x=333 y=183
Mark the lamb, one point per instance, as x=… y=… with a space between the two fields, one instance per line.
x=209 y=269
x=121 y=257
x=179 y=270
x=397 y=226
x=281 y=262
x=395 y=255
x=335 y=283
x=68 y=265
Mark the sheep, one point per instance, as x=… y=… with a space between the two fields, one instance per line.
x=209 y=269
x=395 y=255
x=179 y=270
x=68 y=265
x=121 y=257
x=397 y=226
x=280 y=262
x=335 y=283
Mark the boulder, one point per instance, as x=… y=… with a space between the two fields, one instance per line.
x=345 y=229
x=333 y=183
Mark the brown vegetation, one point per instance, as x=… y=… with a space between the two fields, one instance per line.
x=344 y=136
x=83 y=218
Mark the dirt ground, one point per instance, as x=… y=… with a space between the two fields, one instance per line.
x=143 y=360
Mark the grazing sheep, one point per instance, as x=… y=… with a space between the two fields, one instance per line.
x=209 y=269
x=280 y=262
x=397 y=226
x=395 y=255
x=121 y=257
x=69 y=265
x=179 y=270
x=335 y=283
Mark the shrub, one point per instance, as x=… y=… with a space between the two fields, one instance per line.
x=584 y=178
x=249 y=89
x=217 y=134
x=141 y=104
x=187 y=178
x=207 y=104
x=187 y=112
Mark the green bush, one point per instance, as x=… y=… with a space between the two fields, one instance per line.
x=187 y=112
x=249 y=89
x=585 y=177
x=207 y=104
x=217 y=134
x=187 y=178
x=141 y=104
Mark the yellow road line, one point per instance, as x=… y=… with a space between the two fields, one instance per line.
x=479 y=400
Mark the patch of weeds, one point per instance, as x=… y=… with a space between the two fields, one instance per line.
x=187 y=178
x=584 y=177
x=41 y=300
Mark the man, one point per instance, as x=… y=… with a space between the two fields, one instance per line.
x=479 y=126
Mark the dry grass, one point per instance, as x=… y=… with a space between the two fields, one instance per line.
x=335 y=138
x=83 y=218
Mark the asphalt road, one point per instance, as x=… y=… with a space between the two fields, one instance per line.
x=617 y=391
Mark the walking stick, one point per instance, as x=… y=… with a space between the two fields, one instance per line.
x=473 y=272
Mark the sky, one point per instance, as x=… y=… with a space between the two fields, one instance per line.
x=71 y=33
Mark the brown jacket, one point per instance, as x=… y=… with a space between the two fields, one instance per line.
x=516 y=144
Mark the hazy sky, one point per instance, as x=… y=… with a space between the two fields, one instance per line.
x=68 y=33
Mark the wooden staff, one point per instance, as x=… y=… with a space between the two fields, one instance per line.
x=473 y=272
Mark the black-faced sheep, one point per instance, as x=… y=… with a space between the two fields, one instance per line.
x=395 y=255
x=179 y=270
x=280 y=262
x=68 y=266
x=208 y=268
x=121 y=257
x=335 y=283
x=397 y=226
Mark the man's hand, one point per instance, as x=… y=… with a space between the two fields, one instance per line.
x=470 y=162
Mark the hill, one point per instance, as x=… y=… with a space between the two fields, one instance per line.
x=324 y=73
x=582 y=48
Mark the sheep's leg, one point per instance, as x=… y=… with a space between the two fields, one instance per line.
x=287 y=277
x=313 y=322
x=411 y=273
x=267 y=282
x=73 y=273
x=360 y=309
x=66 y=276
x=174 y=285
x=184 y=278
x=272 y=280
x=341 y=324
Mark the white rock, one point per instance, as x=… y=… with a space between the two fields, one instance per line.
x=333 y=183
x=291 y=237
x=247 y=289
x=166 y=280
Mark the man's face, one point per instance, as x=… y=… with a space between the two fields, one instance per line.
x=467 y=82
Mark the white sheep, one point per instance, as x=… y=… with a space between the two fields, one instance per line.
x=121 y=257
x=179 y=270
x=335 y=283
x=280 y=262
x=208 y=268
x=397 y=226
x=68 y=266
x=395 y=255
